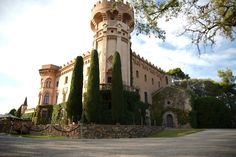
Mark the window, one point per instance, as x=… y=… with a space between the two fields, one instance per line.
x=66 y=79
x=47 y=83
x=46 y=99
x=167 y=81
x=57 y=83
x=56 y=98
x=159 y=84
x=145 y=97
x=137 y=74
x=64 y=97
x=88 y=69
x=109 y=79
x=145 y=78
x=152 y=81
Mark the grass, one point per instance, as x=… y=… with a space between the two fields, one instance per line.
x=41 y=136
x=175 y=132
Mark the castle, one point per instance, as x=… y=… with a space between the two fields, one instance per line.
x=112 y=22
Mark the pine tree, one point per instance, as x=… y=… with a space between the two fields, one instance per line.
x=117 y=98
x=91 y=107
x=18 y=112
x=74 y=103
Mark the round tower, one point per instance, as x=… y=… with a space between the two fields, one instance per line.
x=112 y=22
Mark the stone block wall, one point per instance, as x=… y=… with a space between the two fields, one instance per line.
x=94 y=131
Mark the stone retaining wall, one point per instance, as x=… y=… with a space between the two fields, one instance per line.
x=94 y=131
x=78 y=131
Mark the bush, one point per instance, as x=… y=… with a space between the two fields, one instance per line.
x=212 y=113
x=74 y=103
x=117 y=97
x=91 y=103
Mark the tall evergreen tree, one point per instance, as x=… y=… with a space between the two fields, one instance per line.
x=18 y=112
x=117 y=98
x=91 y=106
x=74 y=103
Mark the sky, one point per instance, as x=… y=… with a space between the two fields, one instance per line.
x=37 y=32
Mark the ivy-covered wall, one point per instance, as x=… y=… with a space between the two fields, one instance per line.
x=171 y=99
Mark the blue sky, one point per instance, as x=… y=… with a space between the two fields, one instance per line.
x=33 y=33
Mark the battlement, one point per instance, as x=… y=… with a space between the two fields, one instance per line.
x=112 y=3
x=147 y=62
x=50 y=66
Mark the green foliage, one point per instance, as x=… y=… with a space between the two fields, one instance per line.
x=226 y=76
x=27 y=116
x=203 y=20
x=117 y=97
x=13 y=112
x=91 y=103
x=74 y=103
x=18 y=112
x=134 y=108
x=59 y=116
x=178 y=74
x=39 y=118
x=212 y=113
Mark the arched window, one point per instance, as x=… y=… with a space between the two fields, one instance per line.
x=167 y=81
x=48 y=83
x=46 y=99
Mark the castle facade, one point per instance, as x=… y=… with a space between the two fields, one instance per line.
x=112 y=22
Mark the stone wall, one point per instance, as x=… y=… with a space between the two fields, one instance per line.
x=94 y=131
x=15 y=126
x=90 y=131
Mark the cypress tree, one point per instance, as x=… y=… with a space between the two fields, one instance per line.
x=91 y=107
x=74 y=103
x=117 y=98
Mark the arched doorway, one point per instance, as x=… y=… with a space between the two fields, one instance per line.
x=169 y=121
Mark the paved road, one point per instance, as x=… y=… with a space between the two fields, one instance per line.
x=209 y=143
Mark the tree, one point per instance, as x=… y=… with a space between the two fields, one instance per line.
x=91 y=106
x=226 y=76
x=117 y=98
x=18 y=112
x=13 y=112
x=178 y=74
x=204 y=20
x=74 y=103
x=212 y=113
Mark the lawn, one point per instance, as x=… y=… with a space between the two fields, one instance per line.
x=175 y=132
x=41 y=136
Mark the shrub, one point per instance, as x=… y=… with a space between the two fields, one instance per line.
x=91 y=103
x=74 y=103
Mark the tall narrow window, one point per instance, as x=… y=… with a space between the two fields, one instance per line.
x=145 y=97
x=159 y=84
x=66 y=79
x=152 y=81
x=56 y=98
x=145 y=78
x=57 y=83
x=167 y=81
x=88 y=69
x=64 y=97
x=137 y=74
x=46 y=99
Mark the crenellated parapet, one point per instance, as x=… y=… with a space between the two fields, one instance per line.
x=112 y=10
x=146 y=62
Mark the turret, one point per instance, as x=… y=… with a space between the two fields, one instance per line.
x=112 y=22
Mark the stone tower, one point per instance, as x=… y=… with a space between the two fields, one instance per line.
x=112 y=22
